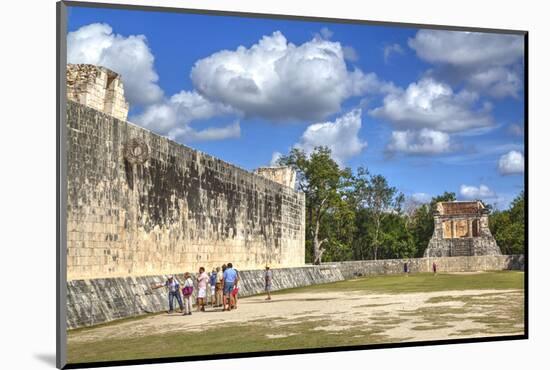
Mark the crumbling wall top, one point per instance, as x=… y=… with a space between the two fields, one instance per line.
x=97 y=87
x=459 y=208
x=283 y=175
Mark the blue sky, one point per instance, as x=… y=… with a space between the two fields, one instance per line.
x=432 y=111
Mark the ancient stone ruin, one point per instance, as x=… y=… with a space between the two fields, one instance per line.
x=140 y=204
x=140 y=207
x=98 y=88
x=461 y=229
x=282 y=174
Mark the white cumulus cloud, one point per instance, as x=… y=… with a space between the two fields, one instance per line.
x=432 y=104
x=487 y=62
x=129 y=56
x=511 y=163
x=173 y=117
x=424 y=141
x=340 y=136
x=180 y=110
x=231 y=131
x=277 y=80
x=476 y=192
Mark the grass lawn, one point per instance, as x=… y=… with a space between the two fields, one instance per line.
x=424 y=282
x=279 y=333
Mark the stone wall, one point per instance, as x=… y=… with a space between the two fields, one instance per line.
x=281 y=174
x=97 y=87
x=91 y=302
x=351 y=269
x=95 y=301
x=140 y=204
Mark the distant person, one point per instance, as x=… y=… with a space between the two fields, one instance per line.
x=229 y=277
x=235 y=291
x=268 y=277
x=219 y=287
x=406 y=268
x=434 y=268
x=213 y=276
x=173 y=287
x=187 y=293
x=202 y=282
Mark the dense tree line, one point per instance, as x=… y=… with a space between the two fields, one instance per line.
x=508 y=226
x=358 y=215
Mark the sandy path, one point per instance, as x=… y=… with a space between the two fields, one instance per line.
x=342 y=310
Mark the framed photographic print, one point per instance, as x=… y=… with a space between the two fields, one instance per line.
x=238 y=184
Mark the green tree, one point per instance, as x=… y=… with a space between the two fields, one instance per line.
x=374 y=200
x=508 y=226
x=396 y=238
x=323 y=182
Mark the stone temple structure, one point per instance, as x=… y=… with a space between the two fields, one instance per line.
x=140 y=204
x=461 y=229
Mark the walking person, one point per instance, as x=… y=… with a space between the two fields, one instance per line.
x=173 y=287
x=187 y=293
x=268 y=277
x=434 y=268
x=202 y=282
x=219 y=287
x=229 y=277
x=213 y=276
x=406 y=269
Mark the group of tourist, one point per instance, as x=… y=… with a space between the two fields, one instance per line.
x=224 y=285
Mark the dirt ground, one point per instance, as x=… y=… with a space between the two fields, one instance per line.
x=404 y=316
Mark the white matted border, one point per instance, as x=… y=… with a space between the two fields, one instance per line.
x=28 y=181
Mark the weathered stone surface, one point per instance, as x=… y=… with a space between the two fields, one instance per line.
x=283 y=175
x=351 y=269
x=94 y=301
x=98 y=88
x=461 y=229
x=140 y=204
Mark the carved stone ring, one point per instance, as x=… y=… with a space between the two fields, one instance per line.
x=136 y=151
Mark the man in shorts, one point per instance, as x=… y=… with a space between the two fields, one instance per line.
x=202 y=282
x=229 y=277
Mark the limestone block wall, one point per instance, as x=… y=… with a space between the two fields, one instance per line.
x=140 y=204
x=94 y=301
x=351 y=269
x=281 y=174
x=97 y=87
